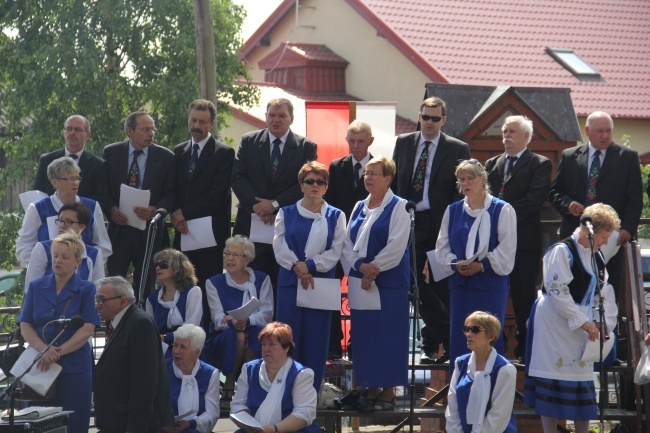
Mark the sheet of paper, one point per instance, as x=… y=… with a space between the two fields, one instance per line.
x=245 y=311
x=34 y=412
x=29 y=197
x=52 y=228
x=130 y=198
x=611 y=248
x=164 y=347
x=245 y=421
x=326 y=295
x=178 y=418
x=359 y=299
x=199 y=235
x=437 y=270
x=39 y=380
x=592 y=351
x=260 y=232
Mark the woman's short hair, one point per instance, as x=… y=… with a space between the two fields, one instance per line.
x=182 y=269
x=282 y=332
x=244 y=243
x=475 y=168
x=72 y=241
x=313 y=167
x=80 y=209
x=194 y=333
x=387 y=165
x=487 y=321
x=62 y=166
x=603 y=217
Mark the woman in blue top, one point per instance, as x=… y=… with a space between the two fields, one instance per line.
x=63 y=295
x=482 y=388
x=308 y=241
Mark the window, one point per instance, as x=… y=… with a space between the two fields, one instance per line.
x=574 y=64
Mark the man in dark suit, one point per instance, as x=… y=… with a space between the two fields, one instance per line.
x=426 y=162
x=139 y=163
x=76 y=132
x=265 y=176
x=599 y=172
x=203 y=169
x=523 y=179
x=345 y=189
x=130 y=385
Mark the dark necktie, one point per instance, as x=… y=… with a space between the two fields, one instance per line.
x=193 y=159
x=73 y=156
x=134 y=170
x=109 y=331
x=511 y=163
x=357 y=174
x=417 y=190
x=594 y=170
x=275 y=157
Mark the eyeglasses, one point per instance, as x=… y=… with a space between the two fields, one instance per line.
x=66 y=223
x=69 y=129
x=235 y=255
x=70 y=179
x=99 y=300
x=434 y=119
x=368 y=173
x=162 y=264
x=473 y=329
x=148 y=130
x=314 y=181
x=462 y=180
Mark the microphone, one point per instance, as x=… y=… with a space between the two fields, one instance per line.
x=75 y=322
x=410 y=208
x=160 y=214
x=585 y=220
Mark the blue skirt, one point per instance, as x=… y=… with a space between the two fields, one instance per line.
x=562 y=399
x=220 y=348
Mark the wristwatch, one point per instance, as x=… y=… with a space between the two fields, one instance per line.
x=275 y=205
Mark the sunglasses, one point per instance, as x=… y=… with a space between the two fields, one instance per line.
x=162 y=264
x=473 y=329
x=434 y=119
x=314 y=181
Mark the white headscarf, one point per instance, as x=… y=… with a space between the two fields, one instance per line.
x=479 y=394
x=270 y=411
x=482 y=225
x=361 y=245
x=317 y=239
x=248 y=287
x=174 y=317
x=188 y=399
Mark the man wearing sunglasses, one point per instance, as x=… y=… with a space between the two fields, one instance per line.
x=426 y=161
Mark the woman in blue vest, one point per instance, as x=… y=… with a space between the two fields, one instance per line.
x=73 y=218
x=194 y=385
x=308 y=242
x=559 y=384
x=376 y=257
x=178 y=299
x=476 y=248
x=276 y=390
x=38 y=223
x=233 y=342
x=482 y=387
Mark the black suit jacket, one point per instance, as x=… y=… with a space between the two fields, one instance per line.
x=208 y=193
x=341 y=192
x=130 y=384
x=526 y=190
x=442 y=182
x=619 y=185
x=93 y=173
x=158 y=176
x=251 y=174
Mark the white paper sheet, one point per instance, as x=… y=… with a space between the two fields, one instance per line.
x=326 y=295
x=611 y=248
x=52 y=228
x=34 y=413
x=164 y=347
x=130 y=198
x=199 y=235
x=39 y=380
x=245 y=311
x=245 y=421
x=359 y=299
x=29 y=197
x=592 y=351
x=260 y=232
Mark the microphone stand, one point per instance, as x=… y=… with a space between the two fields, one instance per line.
x=146 y=261
x=12 y=389
x=416 y=332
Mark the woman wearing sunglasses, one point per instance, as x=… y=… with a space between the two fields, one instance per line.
x=476 y=250
x=559 y=384
x=307 y=244
x=177 y=300
x=482 y=388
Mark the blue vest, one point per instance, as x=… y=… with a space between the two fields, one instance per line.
x=203 y=376
x=230 y=297
x=46 y=209
x=464 y=385
x=161 y=313
x=82 y=270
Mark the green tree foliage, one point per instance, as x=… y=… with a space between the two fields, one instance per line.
x=104 y=59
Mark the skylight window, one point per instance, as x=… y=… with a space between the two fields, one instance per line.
x=574 y=64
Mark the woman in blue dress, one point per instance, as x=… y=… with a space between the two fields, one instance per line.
x=376 y=257
x=178 y=299
x=476 y=248
x=233 y=342
x=38 y=223
x=308 y=242
x=63 y=295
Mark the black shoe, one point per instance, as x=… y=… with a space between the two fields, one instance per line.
x=520 y=351
x=444 y=358
x=521 y=360
x=427 y=357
